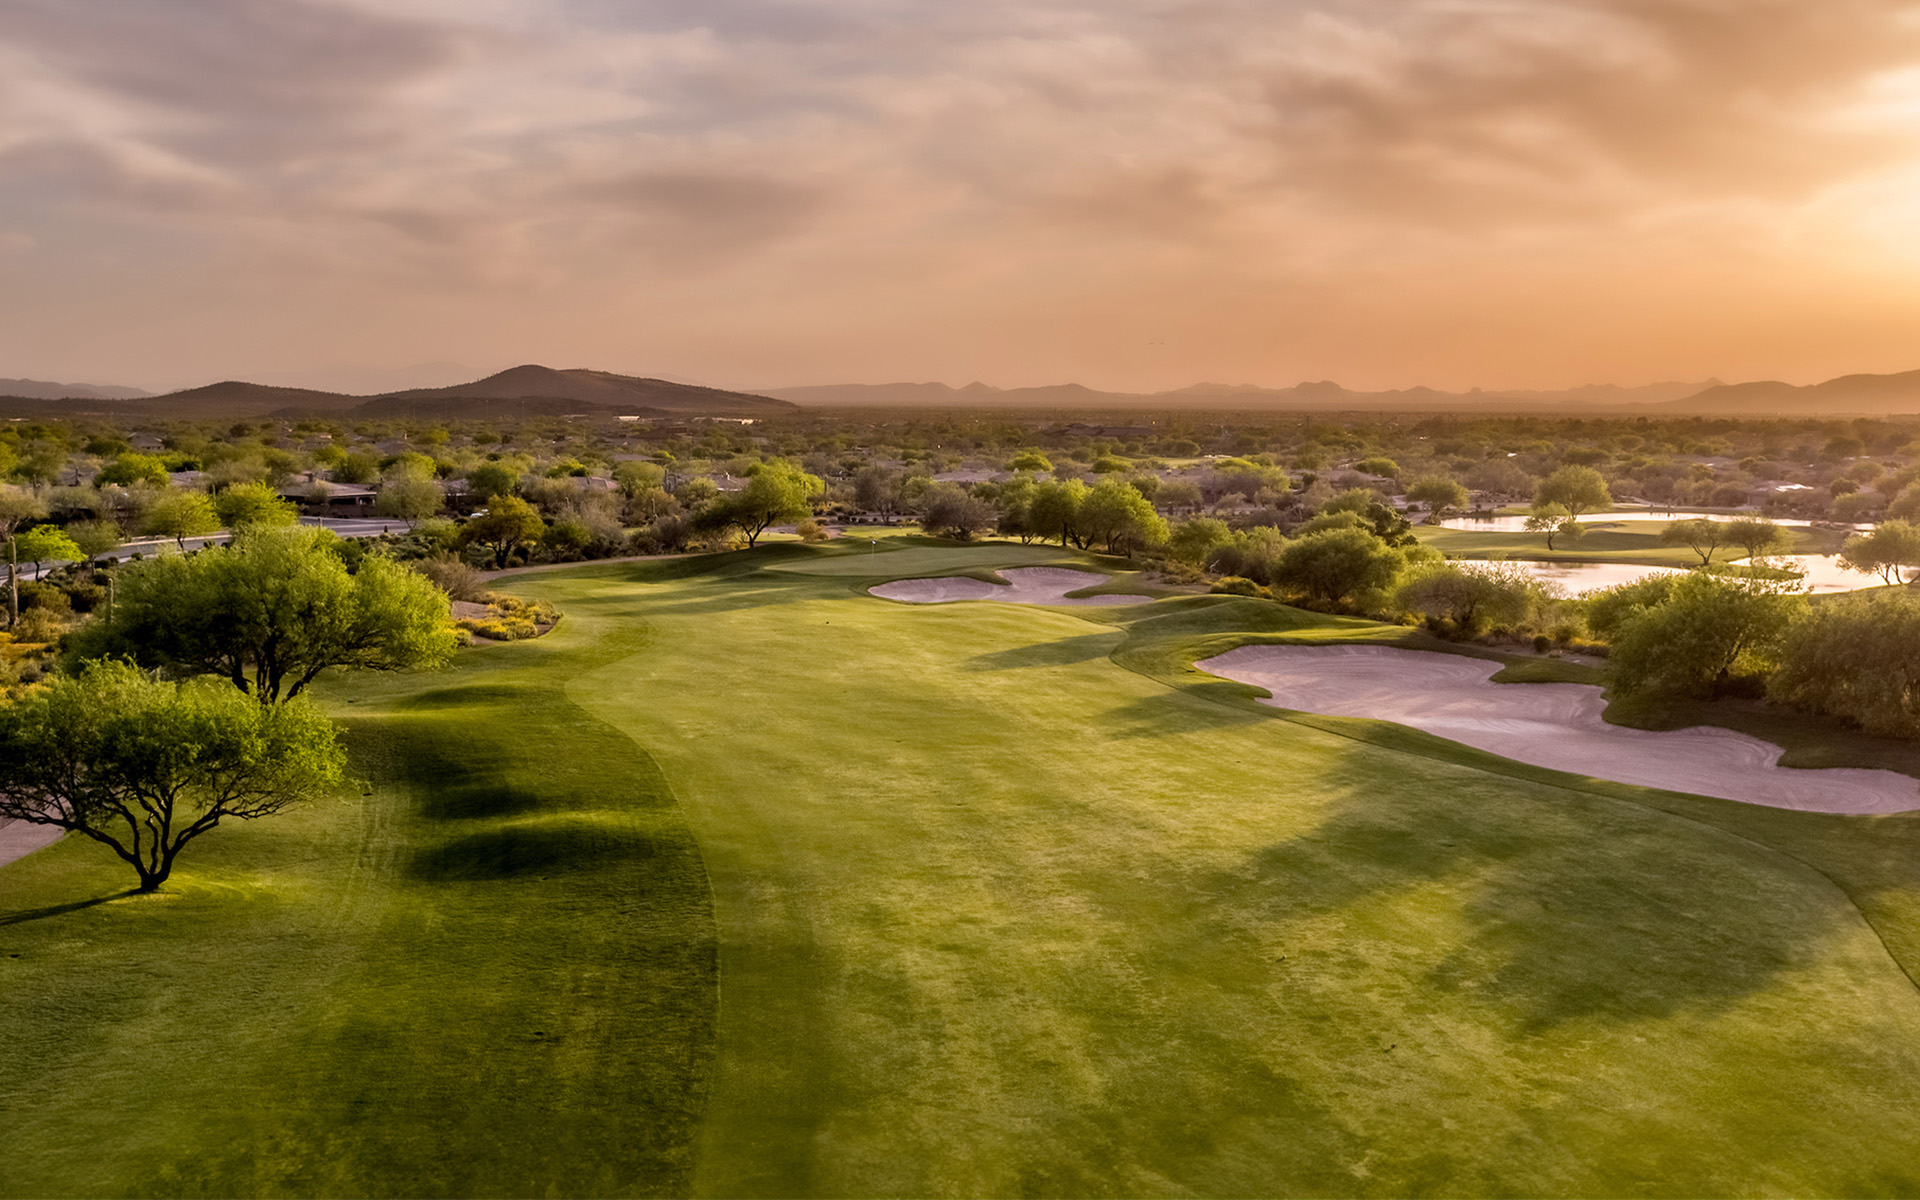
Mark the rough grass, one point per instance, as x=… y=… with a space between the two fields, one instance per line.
x=1009 y=900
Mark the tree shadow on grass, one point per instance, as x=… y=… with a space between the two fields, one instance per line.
x=1064 y=652
x=1169 y=712
x=58 y=910
x=1573 y=907
x=530 y=849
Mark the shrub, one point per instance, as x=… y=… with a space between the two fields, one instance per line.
x=1856 y=658
x=456 y=579
x=811 y=530
x=1235 y=585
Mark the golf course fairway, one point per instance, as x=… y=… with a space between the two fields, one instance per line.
x=746 y=882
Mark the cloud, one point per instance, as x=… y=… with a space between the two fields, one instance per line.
x=844 y=157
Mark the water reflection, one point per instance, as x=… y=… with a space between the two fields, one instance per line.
x=1824 y=574
x=1518 y=524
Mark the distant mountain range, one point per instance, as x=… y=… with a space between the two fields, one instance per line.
x=1851 y=395
x=37 y=389
x=525 y=391
x=529 y=391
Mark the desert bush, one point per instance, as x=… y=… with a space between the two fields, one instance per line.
x=811 y=530
x=1856 y=658
x=1236 y=585
x=456 y=579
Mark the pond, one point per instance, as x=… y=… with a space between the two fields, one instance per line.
x=1518 y=523
x=1824 y=574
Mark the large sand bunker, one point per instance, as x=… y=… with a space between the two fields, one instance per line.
x=19 y=839
x=1026 y=585
x=1555 y=725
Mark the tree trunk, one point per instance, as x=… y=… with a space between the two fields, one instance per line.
x=13 y=584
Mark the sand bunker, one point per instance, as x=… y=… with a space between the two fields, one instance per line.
x=19 y=839
x=1555 y=725
x=1029 y=585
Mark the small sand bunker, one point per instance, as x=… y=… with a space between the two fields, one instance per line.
x=19 y=839
x=1555 y=725
x=1029 y=585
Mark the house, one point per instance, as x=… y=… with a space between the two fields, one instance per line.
x=147 y=443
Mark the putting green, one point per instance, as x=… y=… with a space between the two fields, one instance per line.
x=1005 y=900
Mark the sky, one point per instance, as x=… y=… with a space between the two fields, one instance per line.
x=1132 y=194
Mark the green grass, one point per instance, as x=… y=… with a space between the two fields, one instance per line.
x=1628 y=542
x=1004 y=900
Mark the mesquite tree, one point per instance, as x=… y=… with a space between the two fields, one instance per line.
x=144 y=767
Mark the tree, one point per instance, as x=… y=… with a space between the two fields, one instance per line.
x=508 y=524
x=245 y=505
x=130 y=468
x=1553 y=519
x=1194 y=540
x=878 y=489
x=949 y=510
x=17 y=507
x=1338 y=566
x=1888 y=551
x=94 y=538
x=1609 y=609
x=409 y=499
x=180 y=515
x=1856 y=658
x=1030 y=460
x=270 y=612
x=1577 y=489
x=43 y=543
x=1179 y=495
x=777 y=492
x=1710 y=631
x=1756 y=535
x=1701 y=535
x=146 y=767
x=1054 y=510
x=635 y=478
x=1468 y=601
x=1117 y=515
x=1438 y=493
x=493 y=479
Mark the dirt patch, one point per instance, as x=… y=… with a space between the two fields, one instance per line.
x=1025 y=585
x=1556 y=725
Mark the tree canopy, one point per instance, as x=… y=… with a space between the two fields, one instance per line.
x=145 y=767
x=1555 y=520
x=180 y=515
x=1709 y=631
x=1578 y=489
x=508 y=524
x=1856 y=658
x=270 y=612
x=1889 y=551
x=1338 y=566
x=777 y=492
x=1699 y=534
x=1117 y=515
x=245 y=505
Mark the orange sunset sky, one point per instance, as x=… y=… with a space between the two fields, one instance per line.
x=1133 y=194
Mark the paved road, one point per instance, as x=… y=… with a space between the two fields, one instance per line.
x=351 y=527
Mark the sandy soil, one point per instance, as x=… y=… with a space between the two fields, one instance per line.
x=1555 y=725
x=19 y=839
x=1029 y=585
